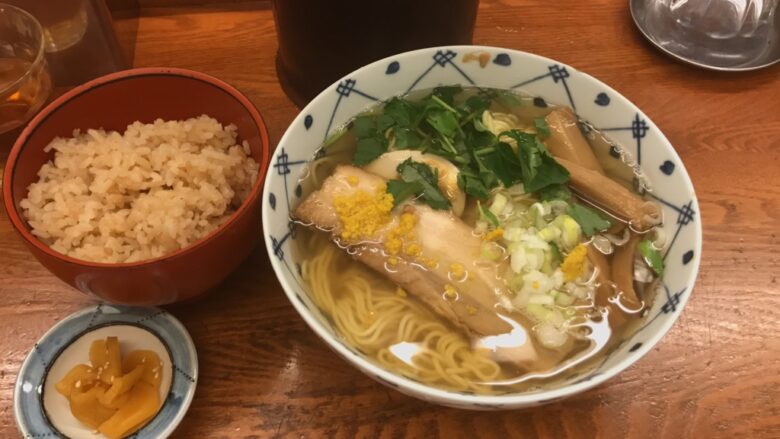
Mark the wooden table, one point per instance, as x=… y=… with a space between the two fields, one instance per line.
x=263 y=372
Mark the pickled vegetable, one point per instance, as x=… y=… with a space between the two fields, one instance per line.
x=86 y=407
x=152 y=369
x=112 y=367
x=112 y=395
x=142 y=405
x=122 y=385
x=80 y=377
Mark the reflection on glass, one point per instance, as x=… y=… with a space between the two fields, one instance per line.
x=729 y=32
x=64 y=24
x=25 y=83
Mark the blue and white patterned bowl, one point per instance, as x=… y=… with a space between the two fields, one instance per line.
x=508 y=69
x=41 y=412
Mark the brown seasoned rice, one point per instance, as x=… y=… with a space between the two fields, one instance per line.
x=126 y=197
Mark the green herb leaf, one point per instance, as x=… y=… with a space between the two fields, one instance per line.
x=485 y=175
x=505 y=164
x=541 y=127
x=548 y=173
x=384 y=122
x=447 y=93
x=368 y=149
x=539 y=167
x=476 y=105
x=443 y=121
x=588 y=219
x=416 y=172
x=480 y=139
x=473 y=186
x=364 y=126
x=487 y=215
x=652 y=256
x=406 y=138
x=401 y=111
x=443 y=125
x=401 y=190
x=554 y=192
x=530 y=156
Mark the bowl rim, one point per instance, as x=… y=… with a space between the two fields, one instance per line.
x=75 y=93
x=439 y=395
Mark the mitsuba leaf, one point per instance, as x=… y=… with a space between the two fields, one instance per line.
x=443 y=121
x=401 y=111
x=473 y=186
x=384 y=122
x=422 y=174
x=368 y=149
x=554 y=192
x=539 y=167
x=589 y=220
x=548 y=173
x=476 y=105
x=505 y=164
x=406 y=138
x=448 y=93
x=364 y=126
x=402 y=190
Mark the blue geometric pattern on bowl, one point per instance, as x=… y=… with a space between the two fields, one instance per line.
x=28 y=404
x=549 y=81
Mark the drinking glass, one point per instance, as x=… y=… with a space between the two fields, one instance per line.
x=321 y=41
x=25 y=83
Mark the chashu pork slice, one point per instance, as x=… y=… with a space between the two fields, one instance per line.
x=442 y=238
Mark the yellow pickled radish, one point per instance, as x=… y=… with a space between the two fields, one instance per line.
x=122 y=385
x=141 y=406
x=152 y=365
x=114 y=396
x=119 y=401
x=113 y=365
x=81 y=378
x=98 y=353
x=86 y=407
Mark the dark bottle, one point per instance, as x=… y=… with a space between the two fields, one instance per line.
x=321 y=41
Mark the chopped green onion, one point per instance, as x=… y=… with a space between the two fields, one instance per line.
x=564 y=299
x=487 y=215
x=498 y=204
x=652 y=256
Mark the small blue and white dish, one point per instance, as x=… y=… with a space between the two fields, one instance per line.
x=41 y=411
x=548 y=81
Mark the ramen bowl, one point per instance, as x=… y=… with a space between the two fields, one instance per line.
x=112 y=102
x=550 y=82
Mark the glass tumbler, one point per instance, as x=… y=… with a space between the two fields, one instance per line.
x=25 y=83
x=321 y=41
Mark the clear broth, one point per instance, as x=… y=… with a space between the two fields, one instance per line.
x=583 y=358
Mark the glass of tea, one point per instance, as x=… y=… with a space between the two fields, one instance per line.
x=321 y=41
x=25 y=83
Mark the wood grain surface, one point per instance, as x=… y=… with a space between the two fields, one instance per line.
x=263 y=373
